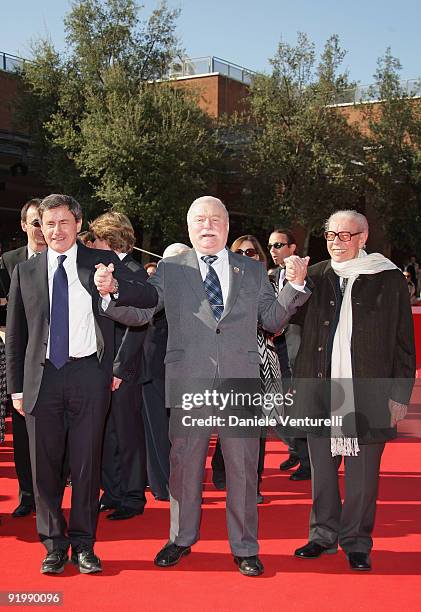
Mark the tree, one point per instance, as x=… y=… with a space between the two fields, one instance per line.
x=106 y=116
x=393 y=156
x=305 y=157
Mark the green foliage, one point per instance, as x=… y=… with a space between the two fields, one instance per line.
x=393 y=157
x=105 y=129
x=303 y=152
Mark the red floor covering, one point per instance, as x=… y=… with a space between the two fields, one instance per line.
x=207 y=579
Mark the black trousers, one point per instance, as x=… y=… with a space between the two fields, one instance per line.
x=156 y=419
x=22 y=459
x=71 y=407
x=123 y=473
x=350 y=522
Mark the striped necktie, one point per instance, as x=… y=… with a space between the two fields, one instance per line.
x=213 y=287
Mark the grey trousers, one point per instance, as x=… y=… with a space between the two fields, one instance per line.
x=187 y=464
x=350 y=523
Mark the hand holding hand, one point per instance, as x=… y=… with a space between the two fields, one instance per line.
x=18 y=406
x=296 y=269
x=104 y=280
x=116 y=383
x=397 y=412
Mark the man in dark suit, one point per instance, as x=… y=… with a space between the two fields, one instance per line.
x=357 y=362
x=123 y=472
x=282 y=244
x=31 y=225
x=59 y=354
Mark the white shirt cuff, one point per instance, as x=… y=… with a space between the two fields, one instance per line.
x=17 y=396
x=298 y=287
x=105 y=302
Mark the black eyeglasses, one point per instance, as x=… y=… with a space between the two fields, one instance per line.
x=35 y=223
x=277 y=245
x=249 y=252
x=343 y=236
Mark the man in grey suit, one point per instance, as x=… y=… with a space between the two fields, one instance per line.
x=213 y=300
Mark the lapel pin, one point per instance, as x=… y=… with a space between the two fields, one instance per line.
x=236 y=270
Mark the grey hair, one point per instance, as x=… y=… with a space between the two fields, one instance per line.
x=359 y=218
x=175 y=249
x=205 y=199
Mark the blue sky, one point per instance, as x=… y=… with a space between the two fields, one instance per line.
x=247 y=32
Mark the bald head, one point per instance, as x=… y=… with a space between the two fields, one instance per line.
x=208 y=225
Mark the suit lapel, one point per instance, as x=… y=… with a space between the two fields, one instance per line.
x=236 y=275
x=192 y=273
x=40 y=264
x=84 y=271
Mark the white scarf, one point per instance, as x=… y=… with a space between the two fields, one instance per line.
x=342 y=394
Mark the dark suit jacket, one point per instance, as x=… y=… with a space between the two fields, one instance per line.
x=382 y=347
x=8 y=262
x=129 y=341
x=29 y=314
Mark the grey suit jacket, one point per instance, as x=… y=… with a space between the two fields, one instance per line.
x=199 y=347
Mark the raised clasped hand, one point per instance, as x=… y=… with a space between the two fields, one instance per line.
x=104 y=279
x=296 y=269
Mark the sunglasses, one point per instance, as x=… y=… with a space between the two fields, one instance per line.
x=277 y=245
x=35 y=223
x=248 y=252
x=343 y=236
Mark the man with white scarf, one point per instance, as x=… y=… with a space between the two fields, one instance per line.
x=356 y=361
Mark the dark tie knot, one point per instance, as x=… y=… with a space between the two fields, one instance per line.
x=209 y=259
x=61 y=259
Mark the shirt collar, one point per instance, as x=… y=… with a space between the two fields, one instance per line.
x=221 y=255
x=70 y=255
x=121 y=256
x=31 y=252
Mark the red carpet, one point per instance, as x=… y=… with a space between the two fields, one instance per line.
x=208 y=579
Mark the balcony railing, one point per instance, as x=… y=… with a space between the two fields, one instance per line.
x=10 y=63
x=370 y=93
x=207 y=65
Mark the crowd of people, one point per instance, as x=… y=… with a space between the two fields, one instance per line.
x=101 y=353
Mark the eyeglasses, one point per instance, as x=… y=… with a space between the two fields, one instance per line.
x=35 y=223
x=277 y=245
x=249 y=252
x=343 y=236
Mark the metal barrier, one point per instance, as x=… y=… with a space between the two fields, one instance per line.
x=370 y=93
x=208 y=65
x=10 y=63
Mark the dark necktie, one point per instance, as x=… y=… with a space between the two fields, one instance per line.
x=213 y=287
x=59 y=323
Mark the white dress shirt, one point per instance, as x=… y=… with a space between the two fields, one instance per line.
x=82 y=337
x=221 y=267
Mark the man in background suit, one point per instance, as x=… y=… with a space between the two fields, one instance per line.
x=31 y=225
x=282 y=244
x=59 y=353
x=123 y=472
x=213 y=299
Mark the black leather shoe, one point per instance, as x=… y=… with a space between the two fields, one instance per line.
x=312 y=550
x=171 y=555
x=359 y=561
x=23 y=510
x=54 y=562
x=291 y=462
x=218 y=479
x=123 y=513
x=105 y=507
x=87 y=561
x=301 y=474
x=260 y=498
x=249 y=566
